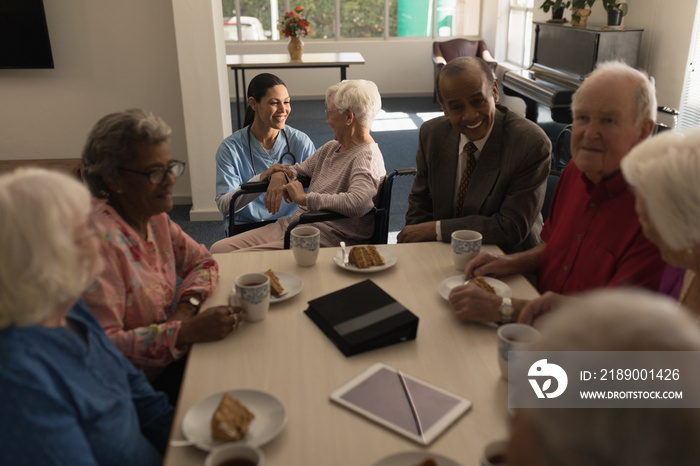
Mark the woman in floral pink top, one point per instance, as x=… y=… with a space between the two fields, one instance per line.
x=128 y=167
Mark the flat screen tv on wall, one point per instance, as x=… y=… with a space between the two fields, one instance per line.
x=24 y=35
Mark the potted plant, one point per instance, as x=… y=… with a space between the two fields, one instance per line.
x=557 y=7
x=580 y=11
x=615 y=11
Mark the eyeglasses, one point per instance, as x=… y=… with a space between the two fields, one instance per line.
x=157 y=175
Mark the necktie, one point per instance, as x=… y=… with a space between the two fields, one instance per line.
x=470 y=149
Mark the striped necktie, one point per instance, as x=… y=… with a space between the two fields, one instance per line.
x=470 y=149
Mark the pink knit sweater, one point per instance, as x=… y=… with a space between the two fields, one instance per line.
x=344 y=182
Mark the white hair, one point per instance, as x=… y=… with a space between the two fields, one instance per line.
x=645 y=94
x=42 y=265
x=665 y=172
x=617 y=320
x=359 y=95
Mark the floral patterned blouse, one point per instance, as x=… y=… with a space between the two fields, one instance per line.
x=134 y=295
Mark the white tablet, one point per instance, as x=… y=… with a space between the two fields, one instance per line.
x=404 y=404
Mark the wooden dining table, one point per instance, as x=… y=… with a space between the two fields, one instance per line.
x=288 y=356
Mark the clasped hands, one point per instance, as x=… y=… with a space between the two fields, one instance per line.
x=279 y=188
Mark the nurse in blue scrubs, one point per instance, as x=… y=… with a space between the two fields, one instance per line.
x=264 y=141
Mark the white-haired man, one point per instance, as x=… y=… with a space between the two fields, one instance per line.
x=592 y=237
x=619 y=321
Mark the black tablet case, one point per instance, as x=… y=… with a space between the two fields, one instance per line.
x=362 y=317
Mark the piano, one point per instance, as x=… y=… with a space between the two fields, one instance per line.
x=563 y=57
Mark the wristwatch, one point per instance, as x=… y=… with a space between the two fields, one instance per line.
x=193 y=300
x=506 y=310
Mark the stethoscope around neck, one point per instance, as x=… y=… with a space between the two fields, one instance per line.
x=281 y=160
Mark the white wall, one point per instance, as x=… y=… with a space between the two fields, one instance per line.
x=109 y=56
x=202 y=63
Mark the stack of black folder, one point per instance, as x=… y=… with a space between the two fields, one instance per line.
x=362 y=317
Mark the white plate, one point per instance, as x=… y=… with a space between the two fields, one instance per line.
x=292 y=286
x=389 y=256
x=270 y=419
x=447 y=284
x=411 y=458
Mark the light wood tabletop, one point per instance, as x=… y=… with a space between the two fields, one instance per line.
x=288 y=356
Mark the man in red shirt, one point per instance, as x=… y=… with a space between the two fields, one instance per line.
x=592 y=237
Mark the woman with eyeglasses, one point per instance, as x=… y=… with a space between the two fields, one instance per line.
x=249 y=153
x=127 y=165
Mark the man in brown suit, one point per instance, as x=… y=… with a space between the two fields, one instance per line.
x=503 y=194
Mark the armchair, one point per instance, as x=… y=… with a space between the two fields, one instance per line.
x=443 y=52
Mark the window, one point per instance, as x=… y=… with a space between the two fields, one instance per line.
x=690 y=97
x=519 y=42
x=336 y=19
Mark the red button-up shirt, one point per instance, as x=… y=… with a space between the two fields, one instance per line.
x=594 y=238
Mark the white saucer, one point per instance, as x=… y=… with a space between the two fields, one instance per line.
x=292 y=286
x=447 y=284
x=389 y=256
x=410 y=458
x=270 y=419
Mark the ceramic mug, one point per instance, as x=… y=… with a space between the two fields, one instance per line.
x=245 y=454
x=305 y=243
x=494 y=454
x=252 y=291
x=466 y=244
x=514 y=337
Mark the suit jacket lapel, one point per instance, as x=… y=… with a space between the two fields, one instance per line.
x=443 y=201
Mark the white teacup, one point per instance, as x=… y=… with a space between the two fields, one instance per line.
x=466 y=244
x=235 y=451
x=514 y=337
x=494 y=454
x=253 y=295
x=305 y=242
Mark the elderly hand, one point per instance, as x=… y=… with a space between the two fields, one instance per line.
x=275 y=192
x=295 y=193
x=487 y=263
x=472 y=304
x=276 y=168
x=212 y=324
x=417 y=233
x=540 y=306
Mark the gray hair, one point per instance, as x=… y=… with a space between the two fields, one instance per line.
x=665 y=172
x=459 y=65
x=42 y=265
x=617 y=320
x=359 y=95
x=111 y=142
x=645 y=93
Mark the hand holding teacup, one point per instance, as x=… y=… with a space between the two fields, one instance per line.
x=211 y=324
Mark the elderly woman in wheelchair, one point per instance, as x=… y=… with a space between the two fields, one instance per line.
x=345 y=175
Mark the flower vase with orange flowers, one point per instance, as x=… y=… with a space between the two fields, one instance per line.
x=295 y=26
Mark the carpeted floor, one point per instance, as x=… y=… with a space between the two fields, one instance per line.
x=395 y=130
